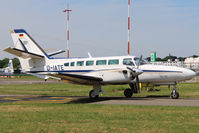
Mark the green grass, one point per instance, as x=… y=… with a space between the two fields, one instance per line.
x=34 y=117
x=85 y=118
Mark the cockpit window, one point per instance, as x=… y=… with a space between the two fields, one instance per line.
x=128 y=61
x=139 y=62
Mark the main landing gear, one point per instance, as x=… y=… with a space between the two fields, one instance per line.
x=94 y=94
x=174 y=93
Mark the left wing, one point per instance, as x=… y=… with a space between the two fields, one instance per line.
x=77 y=78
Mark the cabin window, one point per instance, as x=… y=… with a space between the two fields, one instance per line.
x=101 y=62
x=80 y=63
x=66 y=64
x=139 y=61
x=128 y=61
x=72 y=64
x=113 y=62
x=89 y=63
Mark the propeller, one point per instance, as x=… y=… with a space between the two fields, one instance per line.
x=135 y=72
x=139 y=61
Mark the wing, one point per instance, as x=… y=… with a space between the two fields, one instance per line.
x=78 y=79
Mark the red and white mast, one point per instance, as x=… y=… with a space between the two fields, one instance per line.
x=128 y=27
x=67 y=25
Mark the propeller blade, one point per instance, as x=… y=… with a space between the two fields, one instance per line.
x=138 y=84
x=139 y=61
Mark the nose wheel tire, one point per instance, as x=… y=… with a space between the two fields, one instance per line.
x=92 y=95
x=174 y=95
x=128 y=93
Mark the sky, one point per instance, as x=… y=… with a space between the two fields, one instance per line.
x=100 y=26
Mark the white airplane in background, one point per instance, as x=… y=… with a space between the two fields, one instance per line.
x=8 y=70
x=94 y=71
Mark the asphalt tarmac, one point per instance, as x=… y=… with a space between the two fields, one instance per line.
x=101 y=100
x=155 y=101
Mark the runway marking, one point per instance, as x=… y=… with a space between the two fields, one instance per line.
x=49 y=99
x=13 y=99
x=54 y=97
x=68 y=98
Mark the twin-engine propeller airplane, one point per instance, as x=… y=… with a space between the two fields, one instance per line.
x=94 y=71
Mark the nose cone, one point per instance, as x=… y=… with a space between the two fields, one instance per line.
x=137 y=71
x=189 y=73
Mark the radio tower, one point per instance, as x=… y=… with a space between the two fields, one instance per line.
x=67 y=25
x=128 y=27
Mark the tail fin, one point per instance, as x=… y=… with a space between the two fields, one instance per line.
x=31 y=55
x=23 y=41
x=10 y=66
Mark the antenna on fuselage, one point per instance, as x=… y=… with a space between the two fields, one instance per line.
x=89 y=55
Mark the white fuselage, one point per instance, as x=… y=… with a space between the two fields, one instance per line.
x=112 y=70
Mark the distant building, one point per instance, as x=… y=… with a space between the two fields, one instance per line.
x=192 y=60
x=192 y=63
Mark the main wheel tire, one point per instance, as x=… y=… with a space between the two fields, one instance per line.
x=174 y=95
x=92 y=95
x=128 y=93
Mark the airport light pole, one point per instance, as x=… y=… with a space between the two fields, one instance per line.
x=128 y=27
x=67 y=25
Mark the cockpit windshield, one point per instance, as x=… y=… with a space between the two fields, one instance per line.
x=140 y=62
x=128 y=61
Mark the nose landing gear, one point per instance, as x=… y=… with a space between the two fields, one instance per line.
x=128 y=93
x=94 y=94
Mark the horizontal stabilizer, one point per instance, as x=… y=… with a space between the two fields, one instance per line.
x=22 y=54
x=43 y=76
x=56 y=53
x=39 y=76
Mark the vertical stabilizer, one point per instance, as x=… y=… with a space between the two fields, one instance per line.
x=10 y=66
x=23 y=42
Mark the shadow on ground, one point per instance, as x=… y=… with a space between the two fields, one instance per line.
x=71 y=99
x=88 y=100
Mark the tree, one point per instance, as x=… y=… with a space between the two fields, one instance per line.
x=16 y=63
x=194 y=56
x=181 y=58
x=172 y=58
x=5 y=63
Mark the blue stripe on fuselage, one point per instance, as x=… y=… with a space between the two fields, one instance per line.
x=79 y=71
x=161 y=71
